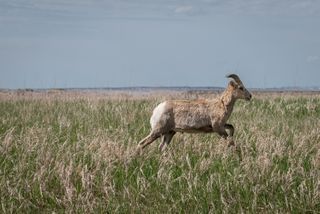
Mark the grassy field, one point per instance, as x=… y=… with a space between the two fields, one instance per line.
x=76 y=152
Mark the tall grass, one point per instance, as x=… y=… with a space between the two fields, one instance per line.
x=78 y=154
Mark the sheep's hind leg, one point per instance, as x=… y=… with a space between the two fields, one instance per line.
x=166 y=140
x=149 y=139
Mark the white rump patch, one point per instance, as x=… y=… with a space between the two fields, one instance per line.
x=157 y=114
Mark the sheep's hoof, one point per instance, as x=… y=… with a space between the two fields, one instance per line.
x=162 y=147
x=231 y=143
x=236 y=149
x=138 y=150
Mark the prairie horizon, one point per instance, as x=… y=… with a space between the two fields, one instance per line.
x=166 y=88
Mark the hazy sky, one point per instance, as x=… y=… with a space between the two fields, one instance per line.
x=118 y=43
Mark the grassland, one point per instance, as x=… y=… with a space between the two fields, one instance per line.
x=75 y=152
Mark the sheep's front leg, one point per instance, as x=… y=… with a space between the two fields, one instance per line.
x=230 y=128
x=231 y=132
x=223 y=133
x=231 y=142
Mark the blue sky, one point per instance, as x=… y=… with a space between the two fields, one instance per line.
x=119 y=43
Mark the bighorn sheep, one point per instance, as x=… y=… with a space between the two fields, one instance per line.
x=194 y=116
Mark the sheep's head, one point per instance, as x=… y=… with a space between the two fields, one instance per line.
x=239 y=91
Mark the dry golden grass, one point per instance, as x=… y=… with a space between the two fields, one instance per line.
x=76 y=152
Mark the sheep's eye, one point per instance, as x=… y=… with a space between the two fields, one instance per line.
x=241 y=88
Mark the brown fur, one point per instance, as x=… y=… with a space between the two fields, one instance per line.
x=194 y=116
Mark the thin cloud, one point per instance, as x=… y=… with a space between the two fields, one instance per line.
x=184 y=9
x=311 y=59
x=266 y=7
x=202 y=7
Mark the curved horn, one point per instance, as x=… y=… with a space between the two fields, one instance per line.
x=235 y=78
